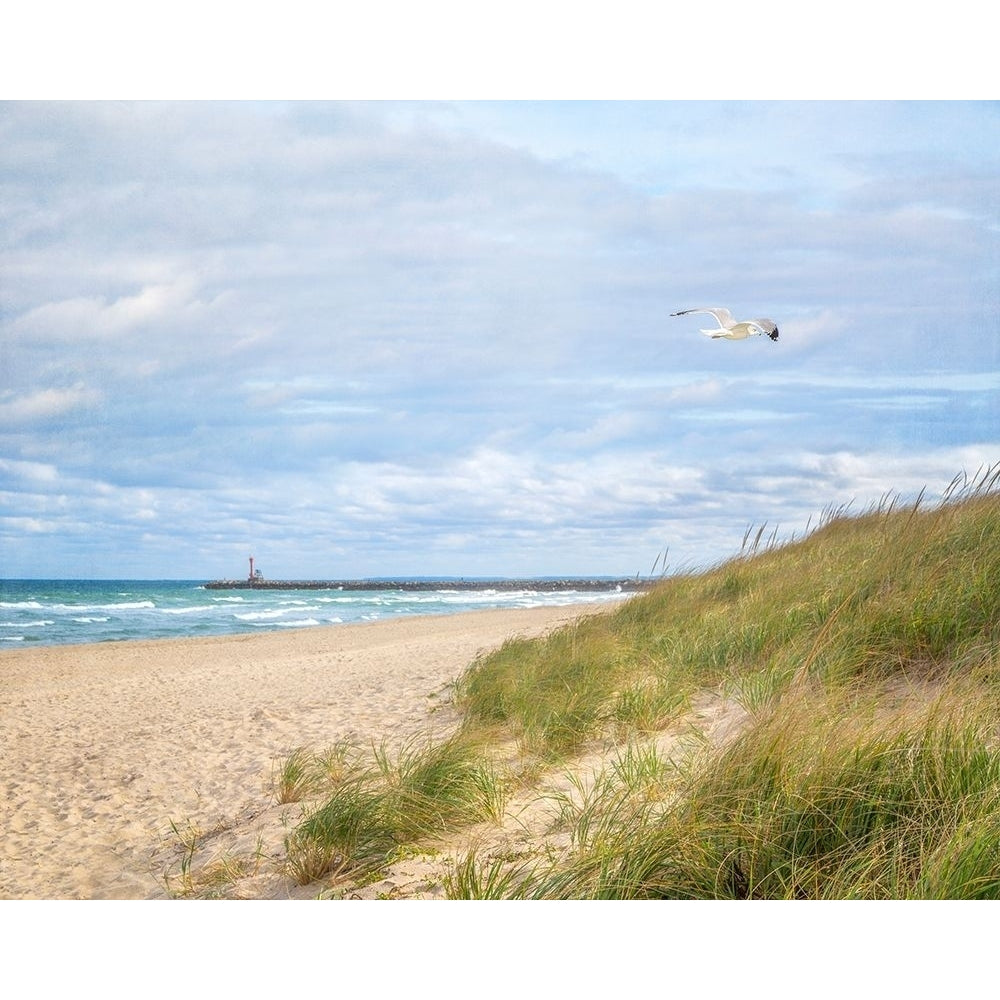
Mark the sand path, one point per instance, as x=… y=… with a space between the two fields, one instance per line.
x=103 y=746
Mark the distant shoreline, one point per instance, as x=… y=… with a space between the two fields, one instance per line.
x=545 y=585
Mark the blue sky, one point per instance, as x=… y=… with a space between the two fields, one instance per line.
x=434 y=337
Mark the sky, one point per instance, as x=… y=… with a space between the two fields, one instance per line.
x=361 y=338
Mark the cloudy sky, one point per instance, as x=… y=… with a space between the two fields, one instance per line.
x=393 y=338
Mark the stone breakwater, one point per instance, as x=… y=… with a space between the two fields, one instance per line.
x=543 y=586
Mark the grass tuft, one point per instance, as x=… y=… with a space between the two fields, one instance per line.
x=403 y=795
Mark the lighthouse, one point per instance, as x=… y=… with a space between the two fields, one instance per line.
x=250 y=577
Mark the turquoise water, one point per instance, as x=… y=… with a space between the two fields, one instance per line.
x=54 y=612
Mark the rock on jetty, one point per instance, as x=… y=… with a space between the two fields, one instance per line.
x=546 y=585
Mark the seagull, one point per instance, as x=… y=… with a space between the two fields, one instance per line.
x=731 y=330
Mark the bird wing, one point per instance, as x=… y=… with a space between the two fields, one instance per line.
x=723 y=316
x=767 y=326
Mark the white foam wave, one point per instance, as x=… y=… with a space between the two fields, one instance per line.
x=271 y=614
x=121 y=606
x=298 y=623
x=42 y=623
x=194 y=609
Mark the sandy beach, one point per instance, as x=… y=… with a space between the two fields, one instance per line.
x=106 y=746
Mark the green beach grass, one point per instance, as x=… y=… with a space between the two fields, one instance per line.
x=861 y=663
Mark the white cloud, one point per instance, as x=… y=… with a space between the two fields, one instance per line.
x=866 y=476
x=38 y=472
x=44 y=405
x=86 y=317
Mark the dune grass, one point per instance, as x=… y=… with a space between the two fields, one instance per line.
x=865 y=657
x=826 y=799
x=394 y=796
x=305 y=773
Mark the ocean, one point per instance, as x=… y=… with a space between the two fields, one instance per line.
x=57 y=612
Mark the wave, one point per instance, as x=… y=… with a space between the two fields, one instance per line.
x=79 y=608
x=272 y=614
x=298 y=623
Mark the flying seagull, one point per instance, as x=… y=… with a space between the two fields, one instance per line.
x=731 y=330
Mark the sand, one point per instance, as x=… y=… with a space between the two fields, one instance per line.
x=106 y=750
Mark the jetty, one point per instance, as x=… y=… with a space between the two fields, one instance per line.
x=548 y=585
x=543 y=585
